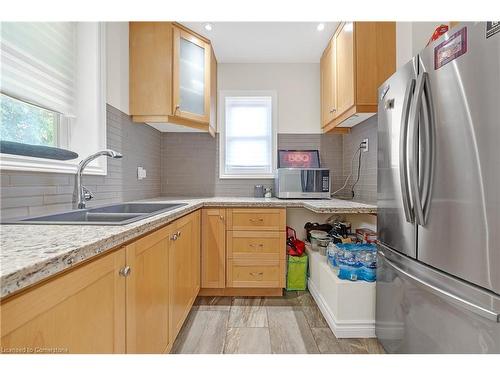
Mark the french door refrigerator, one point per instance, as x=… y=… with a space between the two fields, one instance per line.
x=438 y=279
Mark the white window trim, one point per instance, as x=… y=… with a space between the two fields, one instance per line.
x=99 y=166
x=222 y=125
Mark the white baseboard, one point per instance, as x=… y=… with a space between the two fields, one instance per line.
x=341 y=329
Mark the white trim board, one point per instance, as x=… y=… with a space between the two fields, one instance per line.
x=348 y=307
x=341 y=329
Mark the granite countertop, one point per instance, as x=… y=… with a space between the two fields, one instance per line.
x=31 y=253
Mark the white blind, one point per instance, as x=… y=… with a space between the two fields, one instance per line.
x=248 y=135
x=37 y=63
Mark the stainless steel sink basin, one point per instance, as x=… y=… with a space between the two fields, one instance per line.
x=115 y=214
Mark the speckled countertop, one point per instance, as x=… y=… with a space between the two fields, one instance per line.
x=31 y=253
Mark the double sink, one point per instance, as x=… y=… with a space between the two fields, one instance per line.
x=115 y=214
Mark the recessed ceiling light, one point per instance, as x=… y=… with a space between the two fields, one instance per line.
x=320 y=27
x=208 y=26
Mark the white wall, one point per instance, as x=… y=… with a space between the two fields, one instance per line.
x=297 y=86
x=117 y=65
x=411 y=38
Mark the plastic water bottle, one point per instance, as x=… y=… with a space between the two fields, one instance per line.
x=368 y=266
x=348 y=265
x=331 y=253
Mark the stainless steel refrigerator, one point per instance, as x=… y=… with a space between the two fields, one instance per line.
x=438 y=277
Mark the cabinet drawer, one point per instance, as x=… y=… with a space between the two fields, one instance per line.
x=256 y=245
x=256 y=218
x=255 y=274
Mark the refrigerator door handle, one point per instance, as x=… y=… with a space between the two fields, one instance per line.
x=469 y=306
x=430 y=147
x=415 y=110
x=403 y=152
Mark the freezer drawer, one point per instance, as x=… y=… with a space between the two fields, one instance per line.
x=420 y=310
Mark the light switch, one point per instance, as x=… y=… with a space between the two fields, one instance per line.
x=141 y=173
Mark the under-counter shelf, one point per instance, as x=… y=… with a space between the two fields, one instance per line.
x=348 y=306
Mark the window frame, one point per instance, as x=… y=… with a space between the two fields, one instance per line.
x=68 y=133
x=222 y=131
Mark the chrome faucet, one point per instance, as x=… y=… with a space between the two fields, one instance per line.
x=82 y=194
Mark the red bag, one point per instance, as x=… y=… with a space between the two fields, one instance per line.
x=294 y=247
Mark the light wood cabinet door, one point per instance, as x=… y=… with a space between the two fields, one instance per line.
x=191 y=76
x=212 y=127
x=184 y=240
x=148 y=293
x=345 y=68
x=213 y=248
x=328 y=84
x=150 y=69
x=81 y=311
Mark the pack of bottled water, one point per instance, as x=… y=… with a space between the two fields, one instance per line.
x=351 y=261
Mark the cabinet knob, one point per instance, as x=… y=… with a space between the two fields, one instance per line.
x=125 y=271
x=333 y=110
x=256 y=273
x=221 y=217
x=174 y=237
x=178 y=234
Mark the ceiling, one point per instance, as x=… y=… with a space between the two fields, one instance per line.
x=266 y=42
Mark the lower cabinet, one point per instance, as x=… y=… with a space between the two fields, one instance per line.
x=243 y=251
x=148 y=292
x=184 y=270
x=133 y=300
x=81 y=311
x=213 y=248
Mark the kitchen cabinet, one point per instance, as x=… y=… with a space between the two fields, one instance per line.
x=213 y=248
x=148 y=292
x=80 y=311
x=256 y=244
x=243 y=251
x=358 y=59
x=172 y=76
x=328 y=83
x=184 y=269
x=132 y=300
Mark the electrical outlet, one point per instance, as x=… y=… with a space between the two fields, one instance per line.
x=364 y=145
x=141 y=173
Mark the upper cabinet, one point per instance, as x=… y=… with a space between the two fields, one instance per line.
x=358 y=59
x=172 y=76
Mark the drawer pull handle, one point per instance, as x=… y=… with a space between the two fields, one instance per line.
x=256 y=273
x=260 y=220
x=255 y=245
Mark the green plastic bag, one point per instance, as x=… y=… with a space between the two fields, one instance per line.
x=296 y=276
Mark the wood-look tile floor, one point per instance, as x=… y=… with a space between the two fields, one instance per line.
x=253 y=325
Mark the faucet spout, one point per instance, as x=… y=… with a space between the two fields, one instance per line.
x=80 y=196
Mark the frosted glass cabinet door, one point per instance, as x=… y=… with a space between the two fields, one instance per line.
x=191 y=76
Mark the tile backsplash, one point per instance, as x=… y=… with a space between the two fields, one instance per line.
x=190 y=163
x=33 y=193
x=180 y=164
x=366 y=188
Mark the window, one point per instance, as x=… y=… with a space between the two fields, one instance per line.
x=52 y=91
x=247 y=134
x=25 y=123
